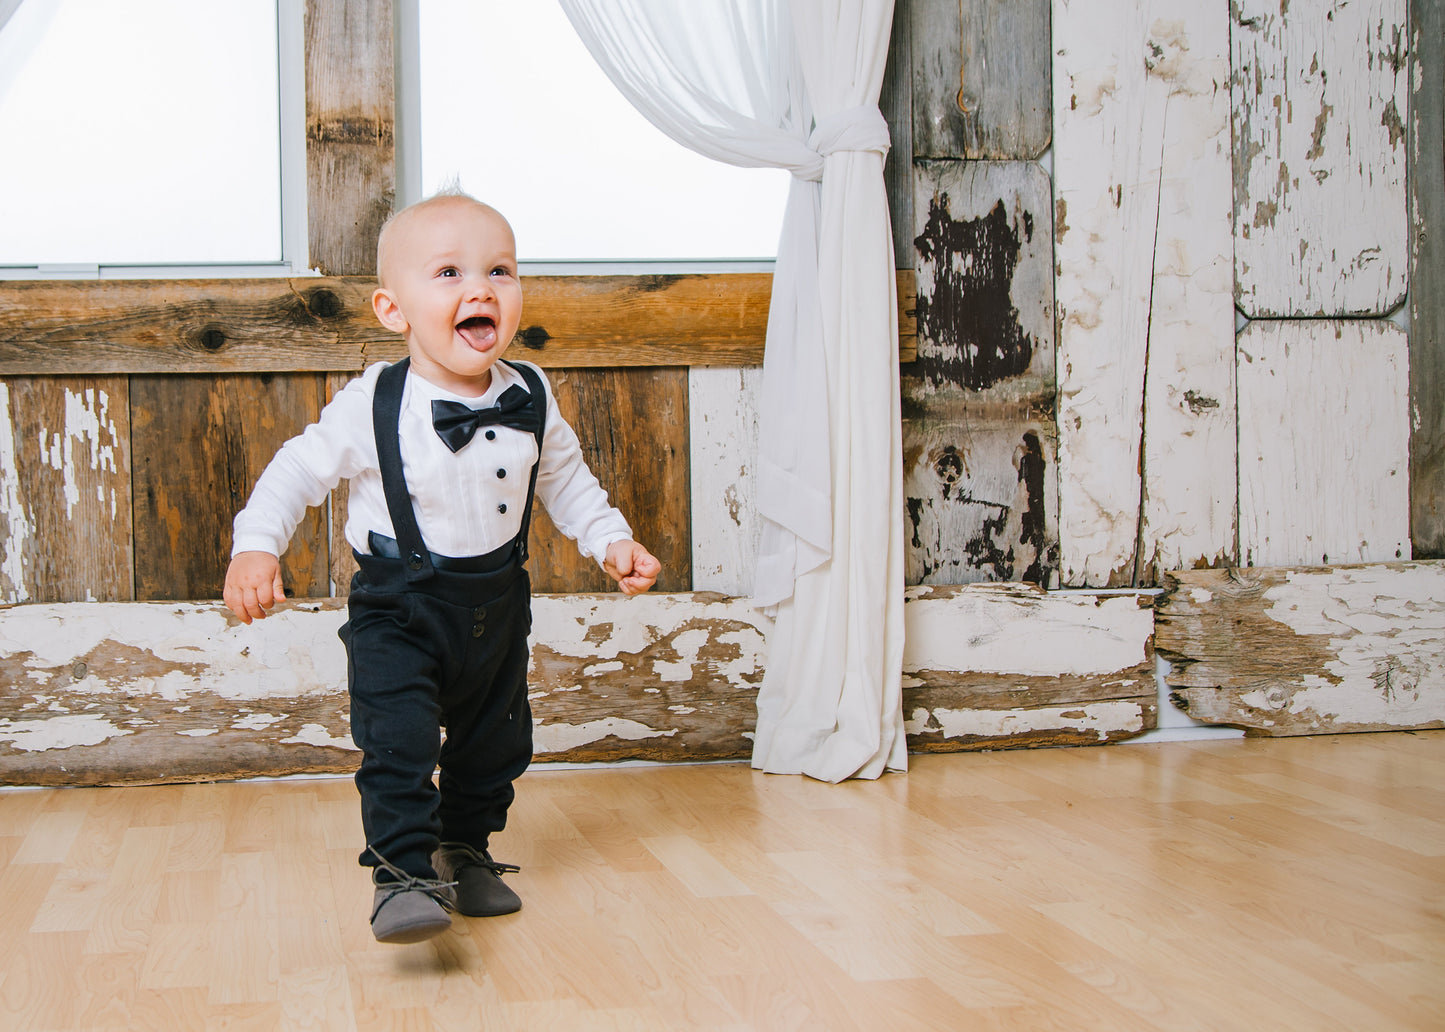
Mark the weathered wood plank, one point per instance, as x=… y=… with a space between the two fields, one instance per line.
x=350 y=132
x=1426 y=178
x=1190 y=469
x=981 y=497
x=981 y=78
x=723 y=437
x=979 y=478
x=343 y=565
x=1142 y=266
x=65 y=490
x=138 y=692
x=992 y=666
x=199 y=443
x=633 y=426
x=984 y=276
x=1320 y=99
x=1323 y=443
x=1304 y=651
x=661 y=677
x=259 y=325
x=115 y=694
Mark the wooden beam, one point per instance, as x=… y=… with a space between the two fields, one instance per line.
x=283 y=325
x=981 y=75
x=1299 y=651
x=987 y=666
x=350 y=132
x=1324 y=435
x=979 y=440
x=1426 y=178
x=1146 y=327
x=65 y=490
x=1320 y=98
x=100 y=693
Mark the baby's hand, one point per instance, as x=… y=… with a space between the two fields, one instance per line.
x=253 y=585
x=633 y=567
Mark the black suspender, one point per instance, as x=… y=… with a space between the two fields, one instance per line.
x=386 y=421
x=539 y=399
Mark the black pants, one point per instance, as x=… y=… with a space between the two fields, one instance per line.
x=450 y=652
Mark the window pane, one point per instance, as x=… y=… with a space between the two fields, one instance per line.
x=516 y=110
x=140 y=132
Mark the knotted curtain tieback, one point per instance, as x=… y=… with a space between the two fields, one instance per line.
x=456 y=424
x=852 y=129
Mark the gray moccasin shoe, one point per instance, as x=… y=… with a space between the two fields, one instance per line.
x=409 y=909
x=478 y=878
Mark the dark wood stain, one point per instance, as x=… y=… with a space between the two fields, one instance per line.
x=969 y=329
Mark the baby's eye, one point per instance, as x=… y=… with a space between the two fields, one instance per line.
x=449 y=271
x=501 y=270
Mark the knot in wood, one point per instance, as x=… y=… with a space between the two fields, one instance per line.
x=213 y=338
x=535 y=337
x=324 y=304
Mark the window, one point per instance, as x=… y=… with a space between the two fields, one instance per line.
x=146 y=133
x=513 y=107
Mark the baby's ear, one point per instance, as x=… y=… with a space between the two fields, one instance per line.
x=388 y=313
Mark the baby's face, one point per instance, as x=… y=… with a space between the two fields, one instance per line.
x=448 y=272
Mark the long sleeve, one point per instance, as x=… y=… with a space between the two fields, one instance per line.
x=466 y=503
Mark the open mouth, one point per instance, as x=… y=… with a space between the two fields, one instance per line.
x=479 y=331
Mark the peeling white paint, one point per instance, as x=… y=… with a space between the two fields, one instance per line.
x=291 y=652
x=1009 y=629
x=200 y=732
x=597 y=669
x=1320 y=95
x=569 y=625
x=1386 y=628
x=688 y=644
x=549 y=738
x=59 y=732
x=723 y=435
x=1100 y=718
x=18 y=526
x=1142 y=165
x=316 y=734
x=1323 y=483
x=257 y=721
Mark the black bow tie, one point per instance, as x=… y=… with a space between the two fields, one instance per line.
x=456 y=424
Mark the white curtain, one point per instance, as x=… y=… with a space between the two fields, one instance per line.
x=794 y=84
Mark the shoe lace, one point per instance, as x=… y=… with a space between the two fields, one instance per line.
x=409 y=883
x=481 y=859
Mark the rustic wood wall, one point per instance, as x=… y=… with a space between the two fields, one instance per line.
x=1087 y=196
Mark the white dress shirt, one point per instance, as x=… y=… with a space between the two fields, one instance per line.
x=466 y=503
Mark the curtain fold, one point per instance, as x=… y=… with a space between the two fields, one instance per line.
x=794 y=84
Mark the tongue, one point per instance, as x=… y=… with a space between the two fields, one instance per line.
x=478 y=333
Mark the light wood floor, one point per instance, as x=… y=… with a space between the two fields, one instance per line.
x=1291 y=884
